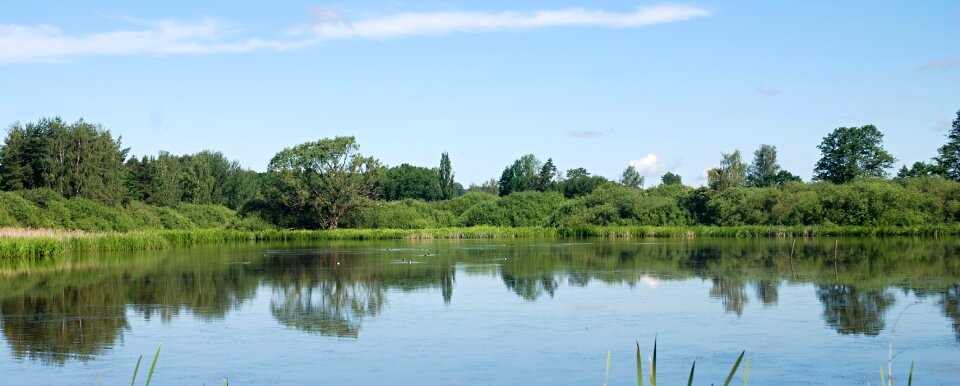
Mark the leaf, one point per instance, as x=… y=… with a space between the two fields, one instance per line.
x=135 y=369
x=734 y=369
x=690 y=380
x=153 y=365
x=639 y=366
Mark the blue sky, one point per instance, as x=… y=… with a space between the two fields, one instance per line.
x=669 y=86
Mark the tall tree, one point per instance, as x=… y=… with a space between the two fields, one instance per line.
x=521 y=176
x=731 y=173
x=948 y=158
x=445 y=174
x=764 y=168
x=408 y=181
x=631 y=178
x=579 y=182
x=315 y=184
x=546 y=179
x=852 y=152
x=75 y=160
x=671 y=179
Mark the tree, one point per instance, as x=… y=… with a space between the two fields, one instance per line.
x=731 y=173
x=579 y=182
x=948 y=158
x=631 y=178
x=521 y=176
x=919 y=169
x=852 y=152
x=407 y=181
x=315 y=184
x=75 y=160
x=671 y=179
x=764 y=167
x=445 y=175
x=546 y=179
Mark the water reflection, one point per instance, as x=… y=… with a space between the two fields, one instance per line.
x=76 y=308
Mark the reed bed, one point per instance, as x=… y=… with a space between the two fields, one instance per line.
x=40 y=243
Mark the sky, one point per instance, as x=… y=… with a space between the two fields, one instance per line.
x=664 y=86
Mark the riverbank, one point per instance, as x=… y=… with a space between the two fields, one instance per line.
x=40 y=243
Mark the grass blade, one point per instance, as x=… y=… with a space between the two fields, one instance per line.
x=606 y=376
x=153 y=365
x=135 y=369
x=734 y=369
x=883 y=378
x=746 y=375
x=639 y=366
x=653 y=365
x=910 y=378
x=690 y=380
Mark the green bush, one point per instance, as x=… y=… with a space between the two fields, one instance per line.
x=24 y=212
x=206 y=216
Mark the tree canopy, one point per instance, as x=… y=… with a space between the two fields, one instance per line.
x=75 y=160
x=631 y=178
x=852 y=152
x=315 y=184
x=731 y=173
x=948 y=155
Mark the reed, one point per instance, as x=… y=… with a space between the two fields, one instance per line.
x=40 y=243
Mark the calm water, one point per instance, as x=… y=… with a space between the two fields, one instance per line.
x=487 y=312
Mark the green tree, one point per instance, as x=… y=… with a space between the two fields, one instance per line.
x=764 y=169
x=579 y=182
x=631 y=178
x=671 y=179
x=919 y=169
x=445 y=175
x=948 y=158
x=852 y=152
x=408 y=181
x=546 y=179
x=75 y=160
x=315 y=184
x=521 y=176
x=731 y=173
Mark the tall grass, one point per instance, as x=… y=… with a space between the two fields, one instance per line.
x=29 y=243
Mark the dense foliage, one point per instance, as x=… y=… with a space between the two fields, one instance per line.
x=76 y=176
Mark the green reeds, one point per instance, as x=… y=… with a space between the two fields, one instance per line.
x=653 y=368
x=153 y=367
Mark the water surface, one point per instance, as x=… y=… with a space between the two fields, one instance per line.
x=487 y=312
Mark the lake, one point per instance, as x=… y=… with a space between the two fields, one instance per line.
x=478 y=312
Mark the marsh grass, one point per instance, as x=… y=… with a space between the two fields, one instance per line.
x=653 y=368
x=41 y=243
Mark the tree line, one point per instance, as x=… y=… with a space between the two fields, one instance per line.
x=329 y=184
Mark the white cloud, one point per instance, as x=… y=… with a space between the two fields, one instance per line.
x=939 y=65
x=649 y=166
x=441 y=23
x=45 y=43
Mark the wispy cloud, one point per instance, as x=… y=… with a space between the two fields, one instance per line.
x=650 y=165
x=582 y=134
x=441 y=23
x=46 y=43
x=939 y=65
x=768 y=92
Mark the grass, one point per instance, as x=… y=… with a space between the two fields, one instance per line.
x=653 y=368
x=41 y=243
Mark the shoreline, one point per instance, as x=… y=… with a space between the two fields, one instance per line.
x=26 y=243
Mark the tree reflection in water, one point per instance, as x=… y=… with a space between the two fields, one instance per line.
x=78 y=309
x=852 y=311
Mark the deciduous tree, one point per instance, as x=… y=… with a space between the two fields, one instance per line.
x=852 y=152
x=315 y=184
